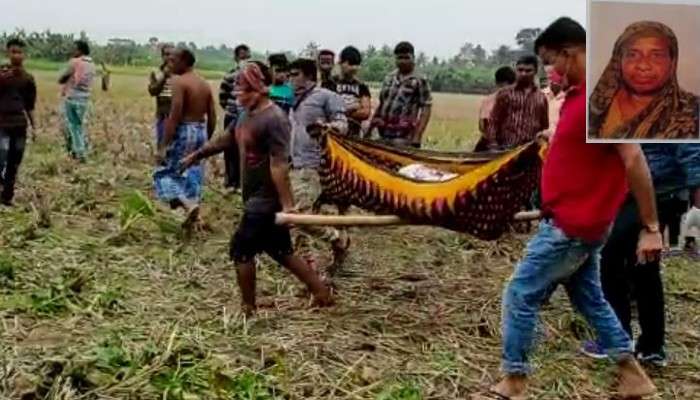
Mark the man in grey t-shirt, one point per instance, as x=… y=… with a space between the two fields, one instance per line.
x=321 y=107
x=76 y=81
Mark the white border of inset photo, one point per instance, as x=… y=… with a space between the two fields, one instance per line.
x=591 y=84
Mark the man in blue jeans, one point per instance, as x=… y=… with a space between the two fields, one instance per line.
x=17 y=101
x=583 y=185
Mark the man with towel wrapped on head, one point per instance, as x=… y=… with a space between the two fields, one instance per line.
x=263 y=134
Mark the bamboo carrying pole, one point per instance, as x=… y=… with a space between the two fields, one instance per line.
x=366 y=220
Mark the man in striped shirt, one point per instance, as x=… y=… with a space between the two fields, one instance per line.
x=505 y=76
x=228 y=102
x=159 y=87
x=520 y=111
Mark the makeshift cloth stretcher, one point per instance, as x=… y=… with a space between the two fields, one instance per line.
x=482 y=199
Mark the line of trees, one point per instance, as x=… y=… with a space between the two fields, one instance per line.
x=468 y=71
x=54 y=46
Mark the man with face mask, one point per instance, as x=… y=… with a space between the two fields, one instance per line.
x=263 y=136
x=638 y=97
x=405 y=102
x=583 y=187
x=520 y=111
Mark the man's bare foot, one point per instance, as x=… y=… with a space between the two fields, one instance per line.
x=311 y=261
x=632 y=380
x=191 y=220
x=323 y=299
x=511 y=387
x=266 y=303
x=202 y=225
x=340 y=248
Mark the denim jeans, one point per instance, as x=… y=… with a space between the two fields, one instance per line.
x=12 y=143
x=75 y=126
x=552 y=258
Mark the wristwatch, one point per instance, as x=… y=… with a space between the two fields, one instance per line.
x=652 y=228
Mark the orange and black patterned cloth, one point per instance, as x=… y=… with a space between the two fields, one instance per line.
x=488 y=190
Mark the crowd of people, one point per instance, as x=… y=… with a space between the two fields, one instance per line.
x=604 y=206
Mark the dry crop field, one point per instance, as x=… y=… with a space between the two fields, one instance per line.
x=101 y=299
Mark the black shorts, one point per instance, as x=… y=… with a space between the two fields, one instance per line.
x=258 y=233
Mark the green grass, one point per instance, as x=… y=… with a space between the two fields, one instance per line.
x=402 y=391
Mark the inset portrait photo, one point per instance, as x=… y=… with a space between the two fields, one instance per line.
x=643 y=59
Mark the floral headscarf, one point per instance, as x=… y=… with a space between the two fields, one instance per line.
x=672 y=114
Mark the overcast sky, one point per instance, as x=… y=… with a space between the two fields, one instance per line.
x=438 y=27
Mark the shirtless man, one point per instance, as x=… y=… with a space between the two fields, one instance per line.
x=185 y=132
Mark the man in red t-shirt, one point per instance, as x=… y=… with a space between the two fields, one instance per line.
x=583 y=186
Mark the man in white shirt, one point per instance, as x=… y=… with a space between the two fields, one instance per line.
x=555 y=98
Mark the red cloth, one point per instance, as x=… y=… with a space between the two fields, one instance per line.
x=251 y=78
x=583 y=185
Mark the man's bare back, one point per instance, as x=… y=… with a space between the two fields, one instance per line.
x=197 y=97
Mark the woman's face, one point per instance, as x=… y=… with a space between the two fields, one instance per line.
x=647 y=65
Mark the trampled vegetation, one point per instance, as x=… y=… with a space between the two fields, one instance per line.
x=101 y=299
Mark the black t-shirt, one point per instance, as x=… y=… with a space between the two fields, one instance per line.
x=17 y=96
x=329 y=83
x=260 y=137
x=352 y=91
